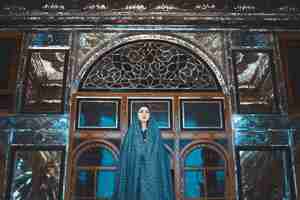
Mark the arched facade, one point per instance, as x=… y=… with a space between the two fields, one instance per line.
x=221 y=77
x=174 y=77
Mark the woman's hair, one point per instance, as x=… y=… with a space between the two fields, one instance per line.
x=143 y=105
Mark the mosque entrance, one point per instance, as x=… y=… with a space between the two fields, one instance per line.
x=186 y=98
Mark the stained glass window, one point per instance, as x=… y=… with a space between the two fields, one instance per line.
x=150 y=65
x=255 y=82
x=45 y=81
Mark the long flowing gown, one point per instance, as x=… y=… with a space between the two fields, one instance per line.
x=144 y=168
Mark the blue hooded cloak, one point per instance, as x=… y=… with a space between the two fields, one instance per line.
x=144 y=168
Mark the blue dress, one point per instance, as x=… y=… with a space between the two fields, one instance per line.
x=144 y=171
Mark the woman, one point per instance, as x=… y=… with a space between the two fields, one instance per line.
x=144 y=166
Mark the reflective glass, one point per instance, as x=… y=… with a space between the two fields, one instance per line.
x=255 y=82
x=105 y=184
x=194 y=158
x=252 y=39
x=215 y=183
x=3 y=157
x=193 y=184
x=98 y=114
x=85 y=184
x=36 y=175
x=96 y=156
x=265 y=175
x=203 y=157
x=44 y=82
x=88 y=41
x=7 y=52
x=96 y=174
x=201 y=114
x=204 y=174
x=293 y=72
x=45 y=39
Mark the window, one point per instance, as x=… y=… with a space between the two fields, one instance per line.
x=201 y=114
x=161 y=109
x=150 y=65
x=49 y=39
x=45 y=81
x=297 y=160
x=258 y=40
x=98 y=113
x=290 y=47
x=37 y=173
x=267 y=168
x=254 y=72
x=95 y=173
x=10 y=45
x=3 y=156
x=255 y=81
x=204 y=174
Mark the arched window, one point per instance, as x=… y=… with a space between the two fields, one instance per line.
x=95 y=173
x=150 y=65
x=203 y=173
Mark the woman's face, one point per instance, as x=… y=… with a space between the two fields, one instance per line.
x=143 y=114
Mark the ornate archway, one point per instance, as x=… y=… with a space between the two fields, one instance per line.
x=171 y=47
x=171 y=75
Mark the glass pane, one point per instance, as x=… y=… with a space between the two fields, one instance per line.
x=6 y=102
x=215 y=181
x=3 y=157
x=85 y=184
x=96 y=156
x=161 y=110
x=293 y=72
x=36 y=175
x=202 y=114
x=255 y=82
x=98 y=114
x=105 y=184
x=193 y=184
x=45 y=39
x=252 y=39
x=194 y=158
x=297 y=160
x=44 y=82
x=7 y=52
x=269 y=171
x=203 y=157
